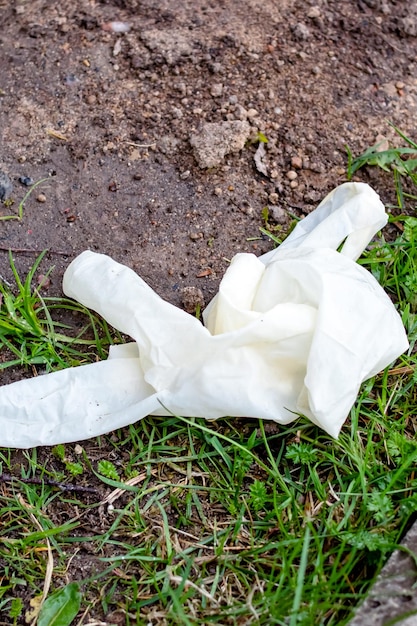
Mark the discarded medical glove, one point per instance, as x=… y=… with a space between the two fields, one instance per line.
x=295 y=331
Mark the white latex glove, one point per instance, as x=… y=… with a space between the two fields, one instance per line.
x=295 y=331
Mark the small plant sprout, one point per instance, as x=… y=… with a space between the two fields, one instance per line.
x=20 y=209
x=33 y=331
x=401 y=161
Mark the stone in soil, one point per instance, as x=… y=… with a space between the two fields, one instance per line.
x=6 y=186
x=392 y=599
x=213 y=141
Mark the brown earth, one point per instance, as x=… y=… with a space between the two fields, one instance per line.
x=117 y=123
x=108 y=117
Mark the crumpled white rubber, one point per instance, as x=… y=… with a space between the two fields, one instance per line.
x=295 y=331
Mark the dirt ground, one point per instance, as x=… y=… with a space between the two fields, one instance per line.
x=108 y=116
x=120 y=124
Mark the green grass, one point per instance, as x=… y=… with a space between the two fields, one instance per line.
x=32 y=330
x=178 y=521
x=20 y=209
x=401 y=161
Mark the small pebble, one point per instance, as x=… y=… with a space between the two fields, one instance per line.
x=317 y=167
x=26 y=180
x=291 y=175
x=216 y=67
x=297 y=162
x=277 y=213
x=314 y=12
x=247 y=210
x=116 y=27
x=117 y=47
x=217 y=90
x=177 y=112
x=293 y=184
x=6 y=186
x=41 y=197
x=43 y=281
x=301 y=32
x=240 y=113
x=192 y=298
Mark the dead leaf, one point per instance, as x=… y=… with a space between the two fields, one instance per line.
x=117 y=47
x=35 y=606
x=259 y=159
x=204 y=273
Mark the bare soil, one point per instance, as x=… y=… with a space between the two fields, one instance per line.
x=109 y=119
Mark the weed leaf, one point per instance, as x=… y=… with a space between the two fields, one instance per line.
x=61 y=608
x=108 y=469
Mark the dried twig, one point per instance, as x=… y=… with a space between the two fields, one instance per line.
x=26 y=250
x=4 y=477
x=189 y=583
x=140 y=145
x=50 y=563
x=116 y=493
x=406 y=369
